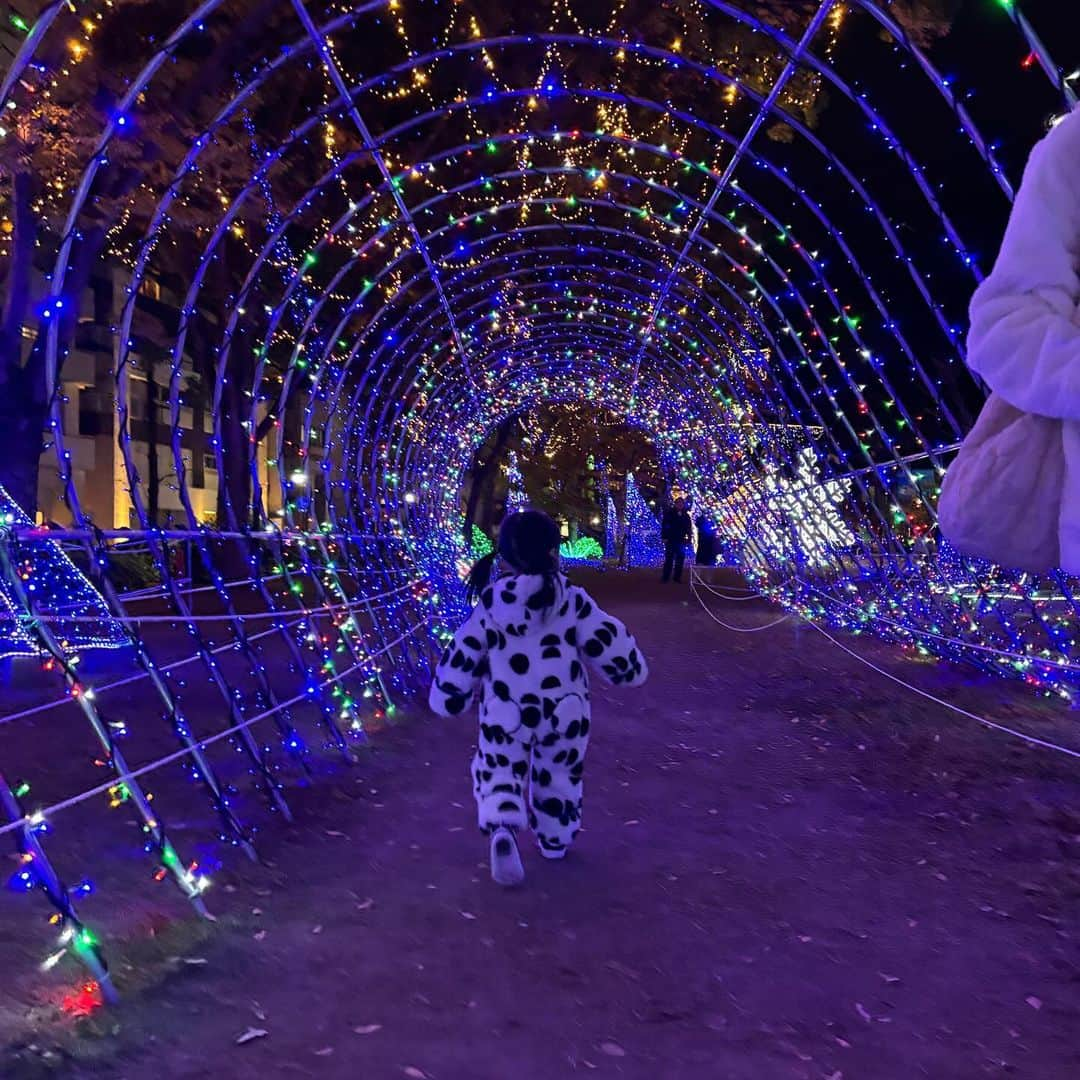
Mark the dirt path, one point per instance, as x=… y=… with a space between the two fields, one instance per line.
x=790 y=868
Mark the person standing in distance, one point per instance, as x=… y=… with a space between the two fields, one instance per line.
x=706 y=542
x=676 y=531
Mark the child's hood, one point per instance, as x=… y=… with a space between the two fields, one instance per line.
x=514 y=603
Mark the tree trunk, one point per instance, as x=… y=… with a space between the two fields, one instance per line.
x=24 y=403
x=22 y=418
x=234 y=476
x=482 y=470
x=233 y=505
x=234 y=481
x=20 y=268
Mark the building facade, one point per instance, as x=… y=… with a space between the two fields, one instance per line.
x=91 y=418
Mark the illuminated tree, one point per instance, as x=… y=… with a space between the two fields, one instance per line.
x=644 y=546
x=516 y=499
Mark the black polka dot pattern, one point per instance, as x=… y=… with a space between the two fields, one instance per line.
x=525 y=661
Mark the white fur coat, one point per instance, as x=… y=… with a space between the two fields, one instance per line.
x=1025 y=317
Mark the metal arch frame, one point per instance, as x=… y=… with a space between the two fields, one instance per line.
x=789 y=69
x=812 y=208
x=803 y=306
x=458 y=380
x=877 y=467
x=856 y=185
x=446 y=386
x=760 y=209
x=758 y=206
x=372 y=147
x=826 y=70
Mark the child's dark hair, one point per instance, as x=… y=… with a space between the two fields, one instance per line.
x=479 y=577
x=528 y=544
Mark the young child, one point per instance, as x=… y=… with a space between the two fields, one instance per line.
x=524 y=648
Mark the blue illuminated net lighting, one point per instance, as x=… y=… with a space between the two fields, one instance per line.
x=476 y=213
x=58 y=592
x=644 y=546
x=614 y=531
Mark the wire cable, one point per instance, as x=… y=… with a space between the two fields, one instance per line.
x=993 y=725
x=177 y=755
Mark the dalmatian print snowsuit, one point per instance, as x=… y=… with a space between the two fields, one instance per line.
x=528 y=666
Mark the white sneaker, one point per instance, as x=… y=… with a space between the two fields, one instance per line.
x=506 y=868
x=552 y=853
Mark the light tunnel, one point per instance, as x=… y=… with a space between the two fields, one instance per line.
x=375 y=231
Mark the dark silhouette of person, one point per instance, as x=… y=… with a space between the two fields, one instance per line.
x=706 y=543
x=676 y=531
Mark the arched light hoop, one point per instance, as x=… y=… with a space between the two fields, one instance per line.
x=767 y=276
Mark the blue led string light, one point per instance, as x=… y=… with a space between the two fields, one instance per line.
x=521 y=232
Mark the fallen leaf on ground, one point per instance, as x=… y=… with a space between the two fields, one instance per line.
x=250 y=1034
x=416 y=1074
x=317 y=929
x=194 y=959
x=257 y=1009
x=260 y=935
x=368 y=903
x=467 y=915
x=793 y=1049
x=367 y=1029
x=863 y=1013
x=1034 y=1002
x=890 y=979
x=613 y=1049
x=326 y=1051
